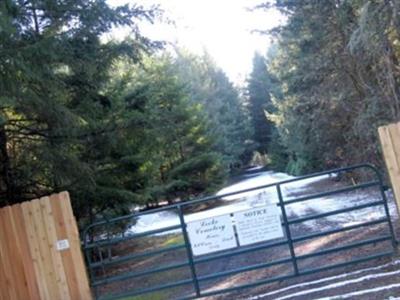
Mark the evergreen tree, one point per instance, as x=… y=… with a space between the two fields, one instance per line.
x=180 y=162
x=209 y=86
x=59 y=128
x=337 y=66
x=259 y=102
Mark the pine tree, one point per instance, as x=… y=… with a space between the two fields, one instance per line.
x=337 y=65
x=59 y=127
x=209 y=87
x=181 y=162
x=260 y=104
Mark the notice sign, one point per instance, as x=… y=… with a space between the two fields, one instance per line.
x=259 y=224
x=210 y=235
x=62 y=245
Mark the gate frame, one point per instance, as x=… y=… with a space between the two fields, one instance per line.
x=287 y=240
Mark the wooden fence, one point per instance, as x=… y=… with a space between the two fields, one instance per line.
x=390 y=140
x=40 y=252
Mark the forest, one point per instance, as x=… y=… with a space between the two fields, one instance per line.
x=334 y=77
x=129 y=122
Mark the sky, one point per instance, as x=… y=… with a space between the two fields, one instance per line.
x=221 y=27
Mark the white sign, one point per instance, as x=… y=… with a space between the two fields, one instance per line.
x=259 y=224
x=210 y=235
x=62 y=245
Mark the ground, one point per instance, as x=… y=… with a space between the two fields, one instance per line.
x=375 y=279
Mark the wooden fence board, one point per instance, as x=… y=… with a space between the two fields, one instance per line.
x=394 y=142
x=390 y=141
x=19 y=279
x=61 y=280
x=33 y=242
x=6 y=262
x=3 y=285
x=73 y=233
x=26 y=256
x=31 y=265
x=66 y=255
x=45 y=256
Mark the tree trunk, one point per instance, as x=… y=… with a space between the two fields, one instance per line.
x=5 y=169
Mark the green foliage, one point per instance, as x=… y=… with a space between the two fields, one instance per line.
x=61 y=129
x=278 y=158
x=259 y=102
x=337 y=66
x=209 y=87
x=179 y=158
x=104 y=119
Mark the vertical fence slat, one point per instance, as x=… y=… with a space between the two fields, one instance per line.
x=65 y=255
x=4 y=295
x=394 y=138
x=22 y=240
x=27 y=211
x=49 y=273
x=390 y=139
x=12 y=293
x=74 y=239
x=48 y=219
x=19 y=279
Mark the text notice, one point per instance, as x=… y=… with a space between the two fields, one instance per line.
x=259 y=224
x=210 y=235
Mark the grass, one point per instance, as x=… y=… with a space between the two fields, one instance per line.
x=158 y=278
x=174 y=240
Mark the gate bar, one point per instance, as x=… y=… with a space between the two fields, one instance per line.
x=395 y=242
x=287 y=229
x=346 y=263
x=239 y=251
x=130 y=237
x=336 y=212
x=333 y=192
x=126 y=258
x=189 y=252
x=347 y=228
x=147 y=290
x=245 y=269
x=346 y=247
x=137 y=274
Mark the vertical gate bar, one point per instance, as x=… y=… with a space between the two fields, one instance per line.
x=91 y=273
x=87 y=252
x=189 y=252
x=101 y=260
x=387 y=212
x=287 y=229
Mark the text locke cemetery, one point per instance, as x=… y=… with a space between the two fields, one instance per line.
x=218 y=233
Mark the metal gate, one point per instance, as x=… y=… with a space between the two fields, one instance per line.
x=105 y=241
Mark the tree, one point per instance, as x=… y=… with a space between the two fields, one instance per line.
x=260 y=104
x=180 y=160
x=59 y=128
x=337 y=65
x=208 y=86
